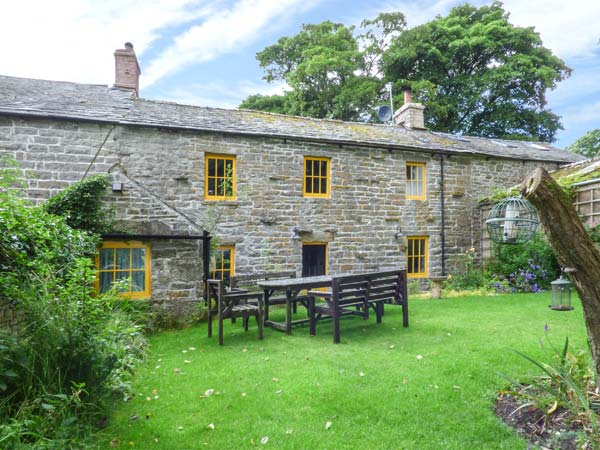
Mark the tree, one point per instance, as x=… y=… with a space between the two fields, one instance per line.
x=325 y=70
x=478 y=74
x=587 y=145
x=572 y=246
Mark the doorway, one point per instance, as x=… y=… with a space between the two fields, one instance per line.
x=314 y=259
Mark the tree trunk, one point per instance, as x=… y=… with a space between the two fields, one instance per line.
x=572 y=247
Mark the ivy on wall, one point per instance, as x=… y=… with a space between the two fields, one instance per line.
x=81 y=205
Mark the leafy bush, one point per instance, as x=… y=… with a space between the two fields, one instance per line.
x=80 y=205
x=565 y=388
x=71 y=350
x=527 y=267
x=470 y=275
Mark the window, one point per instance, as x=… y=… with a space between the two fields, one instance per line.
x=415 y=181
x=224 y=263
x=416 y=256
x=127 y=263
x=316 y=177
x=219 y=177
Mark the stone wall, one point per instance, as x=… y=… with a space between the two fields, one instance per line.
x=365 y=222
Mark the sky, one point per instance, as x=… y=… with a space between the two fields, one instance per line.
x=202 y=52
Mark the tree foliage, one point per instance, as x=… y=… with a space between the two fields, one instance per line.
x=478 y=74
x=475 y=72
x=324 y=68
x=588 y=144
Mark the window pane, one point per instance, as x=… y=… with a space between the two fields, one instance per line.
x=138 y=256
x=107 y=258
x=408 y=173
x=421 y=246
x=324 y=168
x=138 y=281
x=228 y=167
x=123 y=258
x=226 y=278
x=211 y=186
x=323 y=186
x=316 y=186
x=229 y=187
x=221 y=187
x=316 y=168
x=309 y=167
x=226 y=259
x=309 y=189
x=124 y=287
x=220 y=168
x=106 y=280
x=212 y=167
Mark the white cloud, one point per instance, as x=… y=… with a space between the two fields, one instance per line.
x=74 y=40
x=221 y=33
x=570 y=29
x=221 y=95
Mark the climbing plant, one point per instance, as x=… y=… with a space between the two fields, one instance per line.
x=81 y=205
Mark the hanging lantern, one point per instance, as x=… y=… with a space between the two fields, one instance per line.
x=512 y=221
x=561 y=295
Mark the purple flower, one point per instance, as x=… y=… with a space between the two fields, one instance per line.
x=546 y=327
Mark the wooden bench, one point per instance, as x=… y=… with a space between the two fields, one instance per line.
x=249 y=282
x=229 y=305
x=356 y=295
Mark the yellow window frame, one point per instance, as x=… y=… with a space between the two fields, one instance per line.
x=220 y=267
x=414 y=268
x=217 y=179
x=146 y=270
x=316 y=177
x=416 y=179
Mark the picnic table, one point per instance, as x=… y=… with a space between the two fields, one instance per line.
x=292 y=287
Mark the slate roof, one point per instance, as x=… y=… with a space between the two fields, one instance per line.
x=99 y=103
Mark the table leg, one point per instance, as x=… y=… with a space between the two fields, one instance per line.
x=289 y=298
x=268 y=293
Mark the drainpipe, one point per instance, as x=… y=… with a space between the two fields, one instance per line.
x=442 y=204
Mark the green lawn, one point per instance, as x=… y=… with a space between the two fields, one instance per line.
x=431 y=386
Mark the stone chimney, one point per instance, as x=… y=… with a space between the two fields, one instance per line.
x=410 y=114
x=127 y=69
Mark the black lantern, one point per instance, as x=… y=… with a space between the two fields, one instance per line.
x=512 y=221
x=561 y=295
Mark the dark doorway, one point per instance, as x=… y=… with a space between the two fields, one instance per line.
x=314 y=259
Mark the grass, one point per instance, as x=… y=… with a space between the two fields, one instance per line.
x=431 y=386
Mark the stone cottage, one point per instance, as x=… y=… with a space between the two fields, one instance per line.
x=276 y=192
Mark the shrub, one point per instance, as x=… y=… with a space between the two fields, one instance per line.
x=470 y=275
x=71 y=350
x=527 y=267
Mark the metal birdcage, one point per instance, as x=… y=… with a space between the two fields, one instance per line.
x=512 y=221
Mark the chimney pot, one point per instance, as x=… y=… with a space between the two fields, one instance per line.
x=407 y=95
x=127 y=69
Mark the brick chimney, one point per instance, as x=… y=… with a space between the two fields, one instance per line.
x=127 y=69
x=410 y=114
